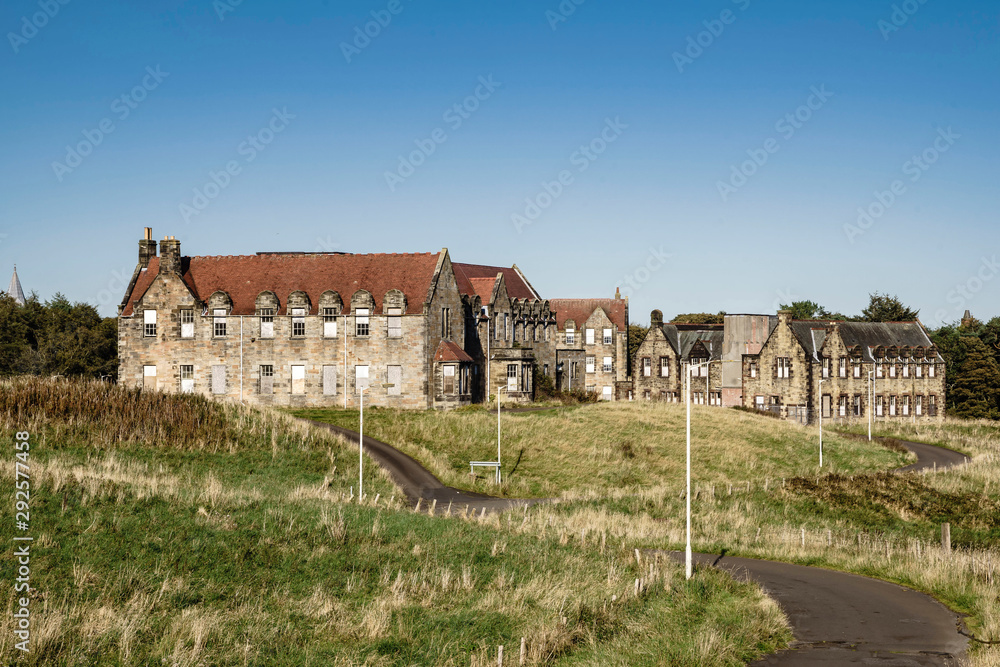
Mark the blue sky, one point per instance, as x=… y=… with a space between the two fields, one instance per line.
x=713 y=155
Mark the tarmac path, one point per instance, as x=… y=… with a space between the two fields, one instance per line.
x=836 y=618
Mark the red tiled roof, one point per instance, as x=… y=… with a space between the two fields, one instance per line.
x=483 y=287
x=579 y=310
x=243 y=277
x=517 y=288
x=449 y=351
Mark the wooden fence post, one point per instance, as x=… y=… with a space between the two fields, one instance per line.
x=946 y=538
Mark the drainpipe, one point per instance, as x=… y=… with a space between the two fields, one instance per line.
x=345 y=361
x=488 y=364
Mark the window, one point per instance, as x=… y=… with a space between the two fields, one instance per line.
x=395 y=374
x=149 y=323
x=906 y=369
x=329 y=380
x=448 y=387
x=589 y=336
x=218 y=379
x=842 y=408
x=591 y=389
x=446 y=323
x=699 y=371
x=878 y=368
x=758 y=402
x=545 y=369
x=361 y=324
x=590 y=364
x=784 y=366
x=574 y=369
x=149 y=377
x=187 y=323
x=918 y=405
x=919 y=369
x=526 y=377
x=663 y=394
x=878 y=406
x=646 y=367
x=298 y=322
x=607 y=394
x=298 y=379
x=570 y=337
x=496 y=328
x=932 y=405
x=857 y=405
x=606 y=366
x=645 y=394
x=826 y=406
x=715 y=398
x=546 y=328
x=267 y=322
x=608 y=339
x=506 y=326
x=664 y=367
x=826 y=367
x=753 y=369
x=857 y=367
x=930 y=369
x=360 y=378
x=187 y=379
x=906 y=406
x=329 y=323
x=892 y=406
x=892 y=370
x=219 y=322
x=266 y=379
x=843 y=367
x=512 y=376
x=395 y=323
x=537 y=336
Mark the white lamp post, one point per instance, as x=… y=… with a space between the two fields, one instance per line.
x=499 y=389
x=687 y=496
x=871 y=402
x=821 y=381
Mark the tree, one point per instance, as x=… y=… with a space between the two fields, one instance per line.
x=977 y=383
x=810 y=310
x=636 y=334
x=699 y=318
x=885 y=308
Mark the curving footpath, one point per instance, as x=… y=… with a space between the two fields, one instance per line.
x=837 y=618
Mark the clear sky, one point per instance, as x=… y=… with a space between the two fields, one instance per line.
x=702 y=156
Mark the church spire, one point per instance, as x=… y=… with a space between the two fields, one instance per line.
x=14 y=290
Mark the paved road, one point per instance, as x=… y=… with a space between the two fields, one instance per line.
x=417 y=483
x=836 y=618
x=929 y=457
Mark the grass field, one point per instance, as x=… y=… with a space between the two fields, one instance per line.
x=610 y=446
x=173 y=530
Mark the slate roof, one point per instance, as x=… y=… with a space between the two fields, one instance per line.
x=868 y=335
x=449 y=351
x=243 y=277
x=579 y=310
x=466 y=276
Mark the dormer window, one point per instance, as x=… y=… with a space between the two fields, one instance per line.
x=149 y=323
x=570 y=337
x=329 y=322
x=298 y=322
x=361 y=323
x=267 y=322
x=219 y=322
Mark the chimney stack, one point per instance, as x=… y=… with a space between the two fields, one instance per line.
x=656 y=319
x=170 y=255
x=147 y=248
x=784 y=316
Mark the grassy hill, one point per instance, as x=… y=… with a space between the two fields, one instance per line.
x=174 y=530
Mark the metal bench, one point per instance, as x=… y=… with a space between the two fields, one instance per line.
x=484 y=464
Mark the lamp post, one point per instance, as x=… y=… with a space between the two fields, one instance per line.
x=499 y=389
x=361 y=442
x=821 y=381
x=871 y=402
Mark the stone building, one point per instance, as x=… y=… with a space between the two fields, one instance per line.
x=836 y=367
x=313 y=329
x=667 y=349
x=299 y=329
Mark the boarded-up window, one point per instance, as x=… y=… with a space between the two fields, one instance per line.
x=219 y=322
x=187 y=379
x=664 y=367
x=298 y=322
x=589 y=336
x=267 y=379
x=878 y=406
x=395 y=324
x=329 y=380
x=267 y=322
x=298 y=379
x=149 y=323
x=590 y=360
x=329 y=323
x=360 y=378
x=449 y=379
x=187 y=324
x=396 y=380
x=218 y=379
x=919 y=405
x=149 y=377
x=512 y=376
x=827 y=405
x=361 y=322
x=606 y=394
